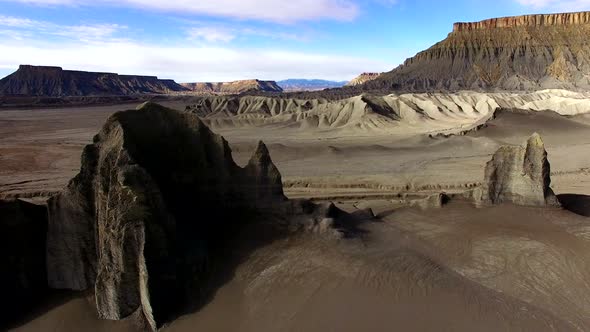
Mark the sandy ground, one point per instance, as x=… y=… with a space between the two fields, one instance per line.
x=40 y=151
x=452 y=269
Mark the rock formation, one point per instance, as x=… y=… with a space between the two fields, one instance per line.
x=156 y=200
x=519 y=175
x=363 y=78
x=23 y=282
x=514 y=53
x=56 y=82
x=235 y=87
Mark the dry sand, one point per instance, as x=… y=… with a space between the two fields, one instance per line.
x=457 y=268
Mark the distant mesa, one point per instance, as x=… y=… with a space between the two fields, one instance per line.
x=56 y=82
x=521 y=53
x=363 y=78
x=235 y=87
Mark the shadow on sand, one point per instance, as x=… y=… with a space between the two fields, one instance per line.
x=578 y=204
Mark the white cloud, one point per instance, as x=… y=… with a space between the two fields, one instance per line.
x=186 y=63
x=211 y=34
x=557 y=5
x=27 y=27
x=282 y=11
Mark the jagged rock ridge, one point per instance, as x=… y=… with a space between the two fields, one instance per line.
x=519 y=53
x=519 y=175
x=234 y=87
x=56 y=82
x=157 y=201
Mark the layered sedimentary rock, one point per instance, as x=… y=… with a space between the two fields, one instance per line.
x=526 y=21
x=156 y=193
x=363 y=78
x=56 y=82
x=23 y=282
x=234 y=87
x=514 y=53
x=519 y=175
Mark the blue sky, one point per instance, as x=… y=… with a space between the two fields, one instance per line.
x=202 y=40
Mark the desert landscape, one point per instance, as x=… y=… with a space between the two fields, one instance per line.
x=449 y=194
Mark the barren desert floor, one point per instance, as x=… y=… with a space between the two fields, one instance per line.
x=459 y=267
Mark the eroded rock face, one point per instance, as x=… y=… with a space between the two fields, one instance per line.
x=526 y=21
x=156 y=194
x=524 y=53
x=519 y=175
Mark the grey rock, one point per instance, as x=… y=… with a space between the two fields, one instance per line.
x=157 y=191
x=519 y=175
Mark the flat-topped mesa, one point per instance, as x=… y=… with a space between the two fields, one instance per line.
x=56 y=82
x=525 y=21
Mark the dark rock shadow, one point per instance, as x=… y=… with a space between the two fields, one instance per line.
x=576 y=203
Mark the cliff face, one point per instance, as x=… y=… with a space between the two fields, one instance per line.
x=234 y=87
x=526 y=21
x=514 y=53
x=363 y=78
x=56 y=82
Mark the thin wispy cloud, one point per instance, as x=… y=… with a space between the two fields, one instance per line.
x=279 y=11
x=557 y=5
x=27 y=27
x=225 y=33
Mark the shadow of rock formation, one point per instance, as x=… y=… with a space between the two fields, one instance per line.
x=578 y=204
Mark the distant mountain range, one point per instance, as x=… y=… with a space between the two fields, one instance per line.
x=291 y=85
x=56 y=82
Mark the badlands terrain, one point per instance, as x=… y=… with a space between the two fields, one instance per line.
x=417 y=250
x=375 y=207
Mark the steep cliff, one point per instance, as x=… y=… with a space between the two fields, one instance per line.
x=56 y=82
x=234 y=87
x=513 y=53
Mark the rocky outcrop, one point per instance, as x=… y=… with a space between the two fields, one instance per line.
x=519 y=175
x=516 y=53
x=235 y=87
x=156 y=201
x=363 y=78
x=56 y=82
x=23 y=282
x=526 y=21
